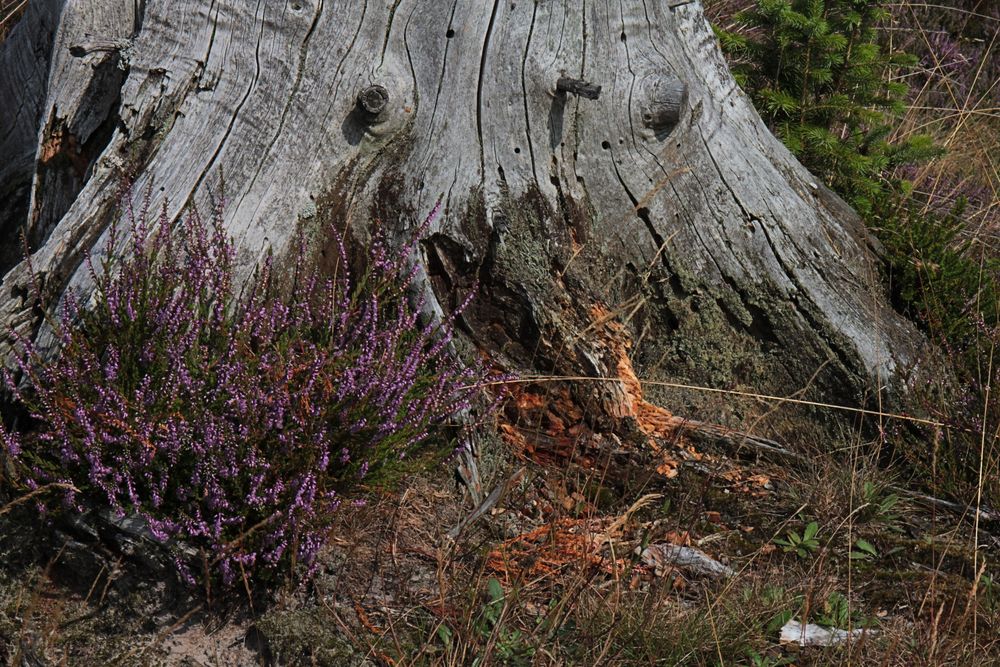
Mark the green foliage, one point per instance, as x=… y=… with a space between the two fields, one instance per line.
x=511 y=645
x=818 y=77
x=878 y=506
x=837 y=613
x=936 y=277
x=821 y=79
x=758 y=660
x=989 y=593
x=863 y=550
x=803 y=545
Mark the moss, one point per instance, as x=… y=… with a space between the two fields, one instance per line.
x=529 y=246
x=603 y=497
x=430 y=457
x=306 y=636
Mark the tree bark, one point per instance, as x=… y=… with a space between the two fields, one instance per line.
x=651 y=226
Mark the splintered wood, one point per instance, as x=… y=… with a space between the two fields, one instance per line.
x=547 y=422
x=548 y=549
x=598 y=544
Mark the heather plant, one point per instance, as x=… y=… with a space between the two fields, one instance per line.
x=232 y=422
x=937 y=277
x=955 y=43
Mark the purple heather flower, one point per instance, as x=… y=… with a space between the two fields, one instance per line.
x=209 y=412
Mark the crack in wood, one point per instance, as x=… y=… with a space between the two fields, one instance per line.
x=290 y=98
x=479 y=86
x=525 y=95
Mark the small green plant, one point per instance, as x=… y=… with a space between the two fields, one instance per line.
x=493 y=609
x=445 y=634
x=937 y=278
x=837 y=613
x=803 y=545
x=771 y=596
x=510 y=646
x=778 y=621
x=989 y=592
x=763 y=660
x=863 y=550
x=878 y=507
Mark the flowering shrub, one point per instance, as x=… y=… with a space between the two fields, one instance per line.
x=231 y=423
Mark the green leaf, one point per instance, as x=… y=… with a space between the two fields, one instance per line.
x=866 y=546
x=775 y=101
x=811 y=529
x=892 y=499
x=836 y=611
x=779 y=620
x=494 y=589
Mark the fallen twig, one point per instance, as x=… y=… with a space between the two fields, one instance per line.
x=486 y=505
x=984 y=513
x=37 y=492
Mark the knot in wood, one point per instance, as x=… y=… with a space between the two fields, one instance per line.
x=373 y=99
x=578 y=87
x=665 y=101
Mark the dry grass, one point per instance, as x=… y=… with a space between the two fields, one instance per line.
x=551 y=578
x=956 y=99
x=550 y=575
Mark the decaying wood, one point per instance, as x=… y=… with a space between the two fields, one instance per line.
x=971 y=513
x=664 y=201
x=663 y=557
x=76 y=121
x=810 y=634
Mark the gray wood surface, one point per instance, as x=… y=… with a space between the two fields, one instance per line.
x=24 y=68
x=747 y=271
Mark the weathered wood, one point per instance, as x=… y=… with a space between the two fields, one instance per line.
x=666 y=191
x=24 y=68
x=810 y=634
x=373 y=99
x=665 y=100
x=578 y=87
x=663 y=556
x=78 y=114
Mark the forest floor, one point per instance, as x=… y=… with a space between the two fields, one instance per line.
x=574 y=564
